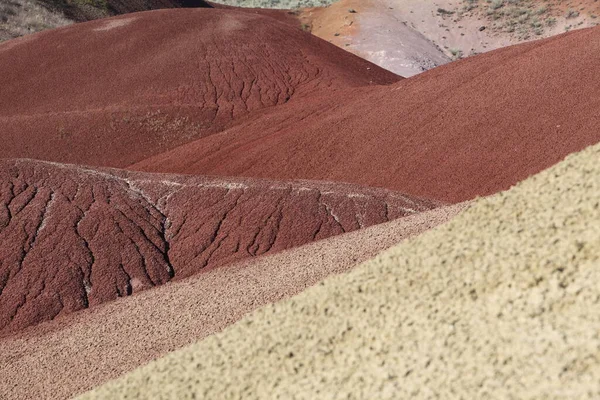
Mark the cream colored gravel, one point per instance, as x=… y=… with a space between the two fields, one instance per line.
x=499 y=303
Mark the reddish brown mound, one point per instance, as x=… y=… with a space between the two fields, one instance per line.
x=114 y=91
x=468 y=128
x=74 y=237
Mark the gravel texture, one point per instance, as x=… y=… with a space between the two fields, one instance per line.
x=501 y=302
x=102 y=343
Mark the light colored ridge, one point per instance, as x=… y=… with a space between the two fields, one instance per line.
x=501 y=302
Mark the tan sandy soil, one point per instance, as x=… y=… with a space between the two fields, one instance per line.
x=374 y=32
x=443 y=31
x=501 y=302
x=458 y=32
x=574 y=14
x=90 y=348
x=527 y=19
x=335 y=23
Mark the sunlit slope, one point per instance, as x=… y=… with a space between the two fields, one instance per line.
x=500 y=302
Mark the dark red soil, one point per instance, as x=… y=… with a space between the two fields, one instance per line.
x=112 y=92
x=74 y=237
x=466 y=129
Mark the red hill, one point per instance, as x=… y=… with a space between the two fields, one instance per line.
x=466 y=129
x=115 y=91
x=74 y=237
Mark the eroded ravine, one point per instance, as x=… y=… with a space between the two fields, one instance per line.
x=75 y=237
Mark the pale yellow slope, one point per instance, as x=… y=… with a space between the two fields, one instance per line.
x=501 y=302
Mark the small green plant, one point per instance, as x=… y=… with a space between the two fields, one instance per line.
x=496 y=4
x=572 y=13
x=535 y=23
x=100 y=4
x=471 y=5
x=443 y=11
x=456 y=53
x=523 y=18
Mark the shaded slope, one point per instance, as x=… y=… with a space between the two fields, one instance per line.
x=114 y=91
x=93 y=346
x=81 y=11
x=74 y=237
x=464 y=129
x=501 y=302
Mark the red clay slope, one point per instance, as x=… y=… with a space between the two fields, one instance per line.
x=465 y=129
x=115 y=91
x=74 y=237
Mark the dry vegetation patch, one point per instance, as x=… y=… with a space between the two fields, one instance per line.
x=20 y=17
x=528 y=19
x=280 y=4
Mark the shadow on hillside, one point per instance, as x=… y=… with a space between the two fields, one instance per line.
x=87 y=10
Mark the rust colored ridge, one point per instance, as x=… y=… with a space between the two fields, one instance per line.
x=114 y=91
x=95 y=345
x=462 y=130
x=73 y=237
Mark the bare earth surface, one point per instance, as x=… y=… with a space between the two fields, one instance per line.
x=501 y=302
x=24 y=17
x=74 y=237
x=464 y=129
x=99 y=344
x=447 y=31
x=112 y=92
x=375 y=32
x=305 y=160
x=466 y=27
